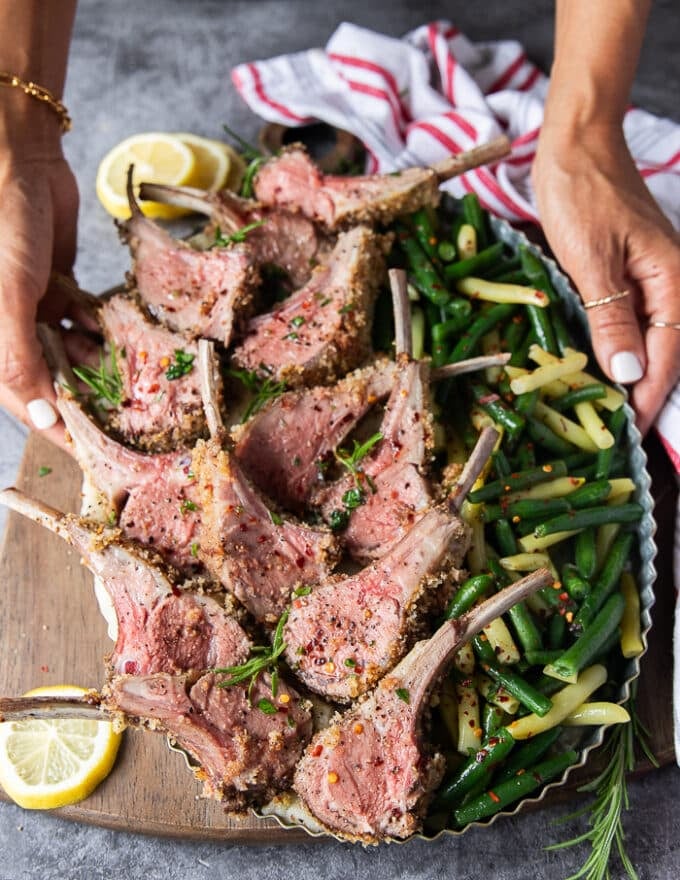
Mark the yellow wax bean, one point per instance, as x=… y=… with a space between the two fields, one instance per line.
x=593 y=424
x=466 y=241
x=549 y=373
x=525 y=561
x=564 y=702
x=597 y=713
x=464 y=659
x=469 y=727
x=631 y=639
x=502 y=642
x=612 y=400
x=564 y=427
x=530 y=543
x=497 y=695
x=552 y=489
x=496 y=291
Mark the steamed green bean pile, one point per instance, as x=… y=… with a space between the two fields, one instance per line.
x=556 y=493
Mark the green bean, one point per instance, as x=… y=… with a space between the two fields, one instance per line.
x=475 y=216
x=526 y=457
x=605 y=457
x=492 y=719
x=607 y=579
x=460 y=309
x=528 y=508
x=542 y=658
x=424 y=275
x=483 y=649
x=574 y=584
x=617 y=465
x=521 y=353
x=589 y=494
x=505 y=538
x=594 y=391
x=466 y=777
x=589 y=644
x=511 y=790
x=526 y=403
x=513 y=332
x=517 y=687
x=519 y=480
x=585 y=553
x=537 y=273
x=542 y=435
x=513 y=277
x=486 y=321
x=468 y=593
x=475 y=264
x=590 y=517
x=500 y=412
x=425 y=231
x=442 y=330
x=527 y=754
x=548 y=685
x=557 y=630
x=563 y=337
x=500 y=463
x=446 y=251
x=507 y=264
x=540 y=321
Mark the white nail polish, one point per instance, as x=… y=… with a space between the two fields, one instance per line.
x=42 y=413
x=625 y=367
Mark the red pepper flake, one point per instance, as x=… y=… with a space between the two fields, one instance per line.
x=489 y=398
x=494 y=797
x=44 y=668
x=547 y=468
x=333 y=777
x=563 y=596
x=521 y=772
x=316 y=751
x=569 y=616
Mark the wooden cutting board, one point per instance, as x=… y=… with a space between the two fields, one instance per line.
x=52 y=633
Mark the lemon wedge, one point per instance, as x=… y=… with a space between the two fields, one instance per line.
x=52 y=763
x=217 y=164
x=157 y=158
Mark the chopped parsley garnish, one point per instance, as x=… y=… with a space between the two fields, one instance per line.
x=194 y=549
x=346 y=309
x=275 y=518
x=43 y=470
x=297 y=321
x=353 y=498
x=262 y=658
x=266 y=706
x=187 y=505
x=403 y=695
x=351 y=662
x=184 y=363
x=338 y=520
x=261 y=389
x=104 y=380
x=297 y=461
x=302 y=591
x=234 y=237
x=293 y=336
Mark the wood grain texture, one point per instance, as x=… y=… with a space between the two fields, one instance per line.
x=52 y=633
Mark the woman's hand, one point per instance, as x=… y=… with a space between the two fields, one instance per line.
x=609 y=235
x=39 y=199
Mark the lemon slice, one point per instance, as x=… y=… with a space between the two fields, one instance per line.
x=52 y=763
x=213 y=161
x=157 y=158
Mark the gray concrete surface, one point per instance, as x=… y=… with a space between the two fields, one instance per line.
x=164 y=64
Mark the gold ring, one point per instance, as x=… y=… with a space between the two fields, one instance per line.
x=620 y=294
x=670 y=324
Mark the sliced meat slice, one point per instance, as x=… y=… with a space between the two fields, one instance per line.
x=349 y=632
x=246 y=746
x=321 y=331
x=291 y=180
x=286 y=239
x=161 y=402
x=200 y=292
x=284 y=447
x=153 y=496
x=390 y=480
x=255 y=554
x=370 y=775
x=162 y=626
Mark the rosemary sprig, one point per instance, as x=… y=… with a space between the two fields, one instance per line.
x=261 y=389
x=611 y=799
x=356 y=496
x=183 y=364
x=235 y=237
x=248 y=151
x=105 y=380
x=262 y=658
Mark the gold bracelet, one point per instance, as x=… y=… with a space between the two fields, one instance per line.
x=42 y=94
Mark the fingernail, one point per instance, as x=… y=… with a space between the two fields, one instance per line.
x=42 y=413
x=625 y=367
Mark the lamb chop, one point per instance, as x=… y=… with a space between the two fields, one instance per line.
x=286 y=239
x=321 y=331
x=284 y=447
x=163 y=626
x=246 y=742
x=291 y=180
x=350 y=631
x=256 y=554
x=369 y=775
x=388 y=488
x=200 y=292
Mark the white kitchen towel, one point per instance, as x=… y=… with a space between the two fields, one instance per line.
x=418 y=99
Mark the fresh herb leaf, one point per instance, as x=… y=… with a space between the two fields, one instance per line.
x=275 y=518
x=249 y=177
x=266 y=706
x=351 y=662
x=184 y=363
x=235 y=237
x=403 y=695
x=248 y=151
x=194 y=549
x=187 y=505
x=297 y=321
x=338 y=520
x=43 y=470
x=302 y=591
x=262 y=390
x=353 y=498
x=262 y=658
x=293 y=336
x=351 y=460
x=105 y=380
